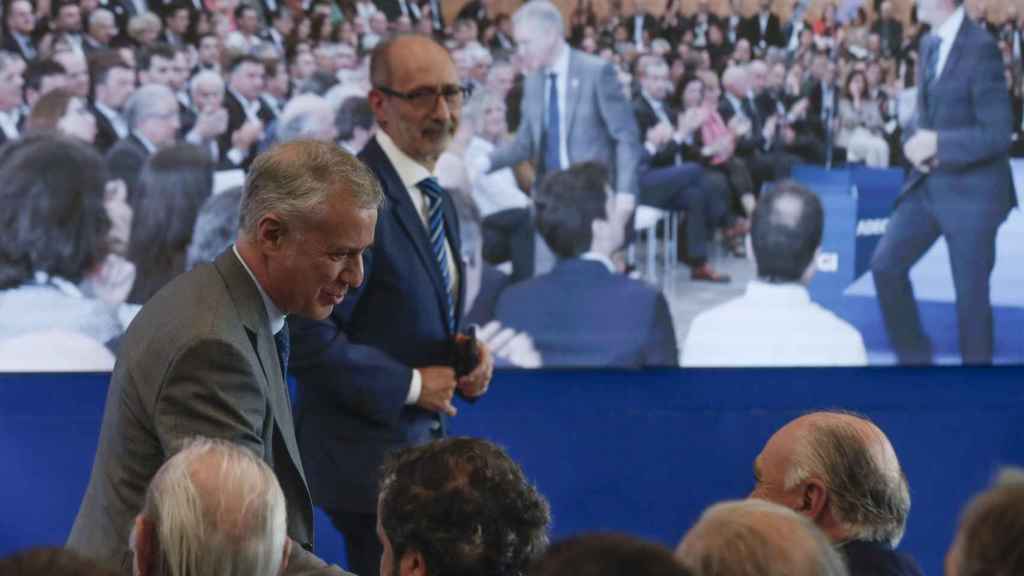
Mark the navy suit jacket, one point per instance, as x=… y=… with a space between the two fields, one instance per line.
x=580 y=314
x=354 y=368
x=874 y=559
x=970 y=109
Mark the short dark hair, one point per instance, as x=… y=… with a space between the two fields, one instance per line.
x=102 y=62
x=271 y=66
x=36 y=71
x=54 y=220
x=242 y=59
x=608 y=555
x=785 y=237
x=567 y=203
x=160 y=50
x=465 y=506
x=52 y=562
x=992 y=528
x=354 y=112
x=241 y=9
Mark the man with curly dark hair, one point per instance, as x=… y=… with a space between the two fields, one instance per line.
x=459 y=507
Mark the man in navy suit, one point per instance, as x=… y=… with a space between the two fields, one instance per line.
x=582 y=313
x=960 y=187
x=377 y=375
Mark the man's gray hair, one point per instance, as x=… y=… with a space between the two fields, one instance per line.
x=474 y=111
x=99 y=14
x=216 y=509
x=298 y=119
x=208 y=77
x=869 y=493
x=757 y=538
x=216 y=227
x=540 y=13
x=294 y=180
x=144 y=101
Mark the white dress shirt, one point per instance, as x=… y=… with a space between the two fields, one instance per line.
x=412 y=172
x=561 y=70
x=496 y=191
x=947 y=35
x=772 y=325
x=116 y=122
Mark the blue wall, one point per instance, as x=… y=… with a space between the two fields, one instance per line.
x=640 y=452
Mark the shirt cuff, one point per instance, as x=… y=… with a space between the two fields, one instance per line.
x=414 y=388
x=236 y=156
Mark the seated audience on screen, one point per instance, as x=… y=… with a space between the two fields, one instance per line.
x=61 y=111
x=840 y=471
x=775 y=323
x=607 y=555
x=988 y=541
x=214 y=508
x=757 y=538
x=577 y=314
x=51 y=562
x=216 y=227
x=458 y=506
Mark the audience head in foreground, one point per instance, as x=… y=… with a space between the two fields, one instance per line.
x=608 y=555
x=988 y=542
x=757 y=538
x=213 y=508
x=786 y=233
x=51 y=562
x=458 y=506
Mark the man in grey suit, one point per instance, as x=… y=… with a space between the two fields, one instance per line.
x=573 y=107
x=208 y=354
x=960 y=188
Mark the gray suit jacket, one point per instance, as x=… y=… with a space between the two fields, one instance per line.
x=600 y=122
x=198 y=360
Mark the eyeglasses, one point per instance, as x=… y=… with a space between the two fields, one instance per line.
x=426 y=98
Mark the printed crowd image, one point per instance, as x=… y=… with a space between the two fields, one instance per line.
x=431 y=190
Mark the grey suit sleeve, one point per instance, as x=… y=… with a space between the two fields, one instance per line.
x=211 y=390
x=988 y=137
x=302 y=562
x=617 y=113
x=521 y=148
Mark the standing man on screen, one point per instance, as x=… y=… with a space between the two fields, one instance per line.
x=573 y=108
x=960 y=186
x=207 y=355
x=378 y=374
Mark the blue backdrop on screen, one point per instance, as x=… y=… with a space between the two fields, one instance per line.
x=640 y=452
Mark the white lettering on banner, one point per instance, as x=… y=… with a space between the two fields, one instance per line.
x=828 y=262
x=872 y=226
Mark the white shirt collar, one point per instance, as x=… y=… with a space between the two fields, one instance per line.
x=561 y=64
x=598 y=257
x=274 y=314
x=947 y=31
x=149 y=146
x=410 y=171
x=787 y=293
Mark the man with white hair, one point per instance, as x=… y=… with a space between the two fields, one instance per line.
x=213 y=508
x=307 y=116
x=209 y=132
x=101 y=29
x=756 y=538
x=840 y=471
x=590 y=119
x=152 y=117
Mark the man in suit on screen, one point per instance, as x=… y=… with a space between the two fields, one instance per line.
x=960 y=186
x=208 y=354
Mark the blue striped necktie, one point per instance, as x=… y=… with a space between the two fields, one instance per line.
x=435 y=224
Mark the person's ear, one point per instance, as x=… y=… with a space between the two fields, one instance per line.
x=143 y=546
x=412 y=564
x=271 y=232
x=814 y=499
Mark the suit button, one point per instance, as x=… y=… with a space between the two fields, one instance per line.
x=435 y=425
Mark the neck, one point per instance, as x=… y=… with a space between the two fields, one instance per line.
x=258 y=266
x=940 y=16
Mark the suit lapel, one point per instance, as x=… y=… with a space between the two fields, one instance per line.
x=572 y=86
x=534 y=92
x=408 y=218
x=253 y=315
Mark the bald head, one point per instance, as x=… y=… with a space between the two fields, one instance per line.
x=839 y=470
x=394 y=57
x=757 y=538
